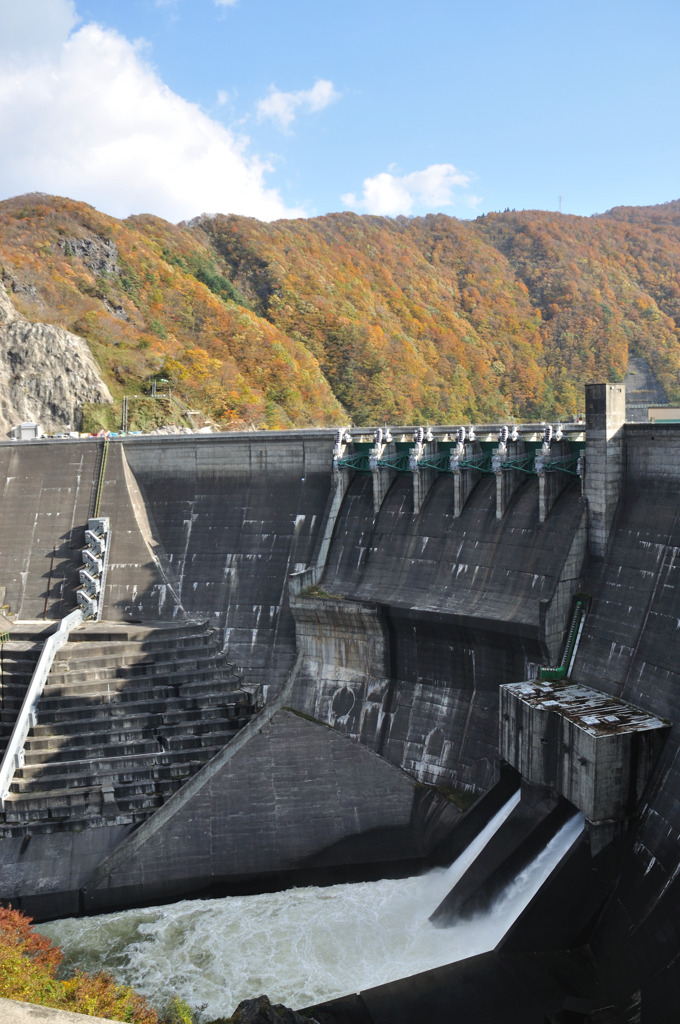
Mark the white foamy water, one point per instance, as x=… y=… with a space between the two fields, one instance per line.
x=300 y=946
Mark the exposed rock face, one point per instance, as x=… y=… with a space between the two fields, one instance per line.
x=99 y=254
x=261 y=1011
x=46 y=373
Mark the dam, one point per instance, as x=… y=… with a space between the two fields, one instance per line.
x=307 y=651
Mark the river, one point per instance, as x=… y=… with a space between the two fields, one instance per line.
x=300 y=946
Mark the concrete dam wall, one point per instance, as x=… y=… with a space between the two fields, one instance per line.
x=428 y=614
x=199 y=530
x=352 y=628
x=225 y=523
x=48 y=493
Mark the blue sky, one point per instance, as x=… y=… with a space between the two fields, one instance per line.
x=291 y=108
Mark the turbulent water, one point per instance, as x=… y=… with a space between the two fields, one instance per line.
x=300 y=946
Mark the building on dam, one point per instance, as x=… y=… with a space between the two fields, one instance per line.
x=236 y=662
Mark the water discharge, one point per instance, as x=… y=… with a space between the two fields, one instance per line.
x=300 y=946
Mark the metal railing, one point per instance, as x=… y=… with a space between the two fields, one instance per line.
x=100 y=482
x=28 y=715
x=560 y=464
x=554 y=675
x=90 y=599
x=362 y=458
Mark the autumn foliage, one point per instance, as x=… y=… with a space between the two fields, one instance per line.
x=363 y=319
x=28 y=972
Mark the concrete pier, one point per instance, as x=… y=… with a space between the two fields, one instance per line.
x=465 y=479
x=423 y=476
x=605 y=416
x=594 y=750
x=555 y=470
x=508 y=478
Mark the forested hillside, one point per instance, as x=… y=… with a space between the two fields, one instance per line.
x=347 y=318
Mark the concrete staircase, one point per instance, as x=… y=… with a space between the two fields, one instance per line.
x=128 y=714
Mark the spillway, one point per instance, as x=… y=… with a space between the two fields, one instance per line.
x=300 y=946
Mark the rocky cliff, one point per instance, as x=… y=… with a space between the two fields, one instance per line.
x=46 y=373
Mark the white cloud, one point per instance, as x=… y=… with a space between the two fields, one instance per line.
x=225 y=3
x=282 y=106
x=388 y=194
x=34 y=27
x=83 y=115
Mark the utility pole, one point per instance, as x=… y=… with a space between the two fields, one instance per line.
x=123 y=426
x=560 y=204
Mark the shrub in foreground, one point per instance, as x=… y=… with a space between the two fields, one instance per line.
x=28 y=967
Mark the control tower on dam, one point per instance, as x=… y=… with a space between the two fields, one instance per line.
x=237 y=662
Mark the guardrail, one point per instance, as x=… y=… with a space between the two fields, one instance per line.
x=530 y=453
x=28 y=715
x=100 y=481
x=555 y=675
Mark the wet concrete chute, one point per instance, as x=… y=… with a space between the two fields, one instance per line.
x=312 y=648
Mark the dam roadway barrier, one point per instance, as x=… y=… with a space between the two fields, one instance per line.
x=392 y=610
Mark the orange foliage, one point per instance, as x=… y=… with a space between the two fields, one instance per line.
x=364 y=318
x=28 y=965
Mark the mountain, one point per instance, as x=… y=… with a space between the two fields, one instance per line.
x=353 y=318
x=151 y=300
x=47 y=373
